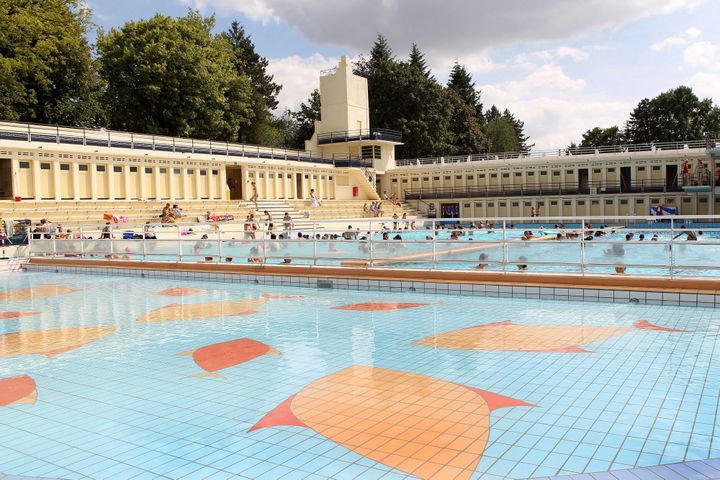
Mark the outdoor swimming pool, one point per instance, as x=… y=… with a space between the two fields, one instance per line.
x=147 y=378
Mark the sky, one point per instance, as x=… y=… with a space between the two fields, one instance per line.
x=561 y=66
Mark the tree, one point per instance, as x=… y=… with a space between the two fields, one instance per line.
x=304 y=119
x=466 y=127
x=598 y=137
x=502 y=135
x=519 y=128
x=673 y=116
x=461 y=83
x=417 y=60
x=172 y=77
x=264 y=90
x=47 y=73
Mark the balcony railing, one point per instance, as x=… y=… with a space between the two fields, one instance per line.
x=587 y=188
x=560 y=152
x=27 y=132
x=356 y=135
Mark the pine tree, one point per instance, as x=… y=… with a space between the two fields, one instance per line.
x=461 y=83
x=417 y=60
x=265 y=91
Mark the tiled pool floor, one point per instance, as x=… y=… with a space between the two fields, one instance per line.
x=116 y=377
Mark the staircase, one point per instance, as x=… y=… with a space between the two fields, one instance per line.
x=278 y=208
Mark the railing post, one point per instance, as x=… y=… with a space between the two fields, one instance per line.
x=670 y=246
x=179 y=242
x=57 y=134
x=314 y=255
x=220 y=250
x=82 y=245
x=144 y=246
x=434 y=248
x=504 y=247
x=582 y=247
x=112 y=243
x=370 y=240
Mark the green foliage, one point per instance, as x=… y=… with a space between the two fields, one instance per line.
x=170 y=76
x=675 y=115
x=46 y=68
x=460 y=82
x=299 y=126
x=264 y=94
x=466 y=127
x=502 y=135
x=598 y=137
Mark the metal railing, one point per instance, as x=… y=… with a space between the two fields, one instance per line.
x=362 y=134
x=559 y=152
x=568 y=188
x=652 y=246
x=28 y=132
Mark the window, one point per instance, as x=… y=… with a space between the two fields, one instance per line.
x=466 y=205
x=530 y=174
x=569 y=172
x=100 y=168
x=528 y=204
x=596 y=170
x=214 y=172
x=493 y=175
x=307 y=176
x=458 y=177
x=656 y=168
x=567 y=203
x=426 y=179
x=515 y=204
x=687 y=200
x=163 y=170
x=44 y=166
x=470 y=177
x=556 y=174
x=543 y=173
x=640 y=201
x=553 y=203
x=654 y=200
x=24 y=164
x=581 y=203
x=371 y=151
x=394 y=180
x=611 y=170
x=260 y=175
x=482 y=175
x=641 y=169
x=670 y=200
x=703 y=200
x=594 y=202
x=623 y=202
x=506 y=175
x=518 y=174
x=541 y=204
x=176 y=171
x=503 y=204
x=148 y=170
x=190 y=171
x=64 y=167
x=436 y=178
x=270 y=175
x=404 y=180
x=83 y=168
x=204 y=173
x=329 y=178
x=491 y=204
x=117 y=169
x=609 y=202
x=447 y=177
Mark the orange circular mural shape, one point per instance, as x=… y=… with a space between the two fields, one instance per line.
x=20 y=389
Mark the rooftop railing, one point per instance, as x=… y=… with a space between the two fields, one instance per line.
x=560 y=152
x=27 y=132
x=356 y=135
x=568 y=188
x=666 y=246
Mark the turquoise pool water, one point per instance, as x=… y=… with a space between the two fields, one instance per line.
x=125 y=404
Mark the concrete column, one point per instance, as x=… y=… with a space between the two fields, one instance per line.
x=171 y=176
x=110 y=179
x=223 y=183
x=56 y=180
x=198 y=182
x=245 y=185
x=293 y=185
x=92 y=170
x=75 y=179
x=156 y=180
x=37 y=187
x=143 y=189
x=126 y=181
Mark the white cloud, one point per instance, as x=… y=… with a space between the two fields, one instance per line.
x=704 y=58
x=677 y=40
x=299 y=76
x=556 y=108
x=453 y=27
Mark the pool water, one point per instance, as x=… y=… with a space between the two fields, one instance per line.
x=388 y=386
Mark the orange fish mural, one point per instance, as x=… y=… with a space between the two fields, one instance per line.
x=19 y=389
x=509 y=337
x=40 y=291
x=194 y=311
x=50 y=342
x=420 y=425
x=380 y=306
x=219 y=356
x=180 y=292
x=8 y=315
